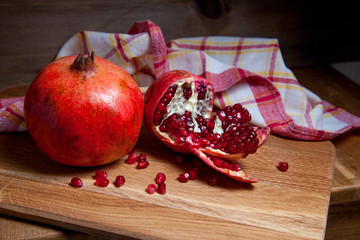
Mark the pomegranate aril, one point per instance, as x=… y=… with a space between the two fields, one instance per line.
x=100 y=174
x=221 y=115
x=119 y=181
x=102 y=182
x=236 y=167
x=213 y=181
x=161 y=189
x=131 y=151
x=151 y=188
x=226 y=164
x=142 y=157
x=76 y=182
x=217 y=162
x=283 y=166
x=142 y=164
x=132 y=158
x=163 y=128
x=184 y=177
x=193 y=174
x=160 y=177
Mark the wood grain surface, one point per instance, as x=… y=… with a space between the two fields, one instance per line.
x=290 y=204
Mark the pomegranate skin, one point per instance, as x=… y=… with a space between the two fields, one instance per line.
x=84 y=117
x=153 y=95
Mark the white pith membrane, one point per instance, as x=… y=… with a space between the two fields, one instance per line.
x=179 y=104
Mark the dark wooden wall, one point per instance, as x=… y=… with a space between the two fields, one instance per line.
x=309 y=32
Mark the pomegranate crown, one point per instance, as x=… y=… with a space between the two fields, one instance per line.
x=82 y=62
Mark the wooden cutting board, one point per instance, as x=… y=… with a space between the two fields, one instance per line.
x=282 y=205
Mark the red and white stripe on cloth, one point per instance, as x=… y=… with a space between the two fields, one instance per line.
x=11 y=115
x=246 y=70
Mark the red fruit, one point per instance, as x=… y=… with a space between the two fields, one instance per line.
x=119 y=181
x=178 y=110
x=142 y=164
x=132 y=158
x=84 y=111
x=283 y=166
x=184 y=177
x=160 y=177
x=100 y=174
x=151 y=188
x=76 y=182
x=102 y=182
x=161 y=189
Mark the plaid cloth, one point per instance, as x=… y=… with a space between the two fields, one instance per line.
x=246 y=70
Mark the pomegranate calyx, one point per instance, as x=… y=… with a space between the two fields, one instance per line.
x=84 y=63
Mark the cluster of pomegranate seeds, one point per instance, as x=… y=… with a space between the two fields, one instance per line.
x=222 y=163
x=76 y=182
x=235 y=136
x=141 y=160
x=283 y=166
x=201 y=89
x=119 y=181
x=161 y=107
x=101 y=178
x=161 y=186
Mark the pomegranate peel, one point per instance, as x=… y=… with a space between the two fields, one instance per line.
x=84 y=111
x=179 y=111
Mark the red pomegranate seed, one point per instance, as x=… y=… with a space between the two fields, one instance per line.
x=213 y=181
x=283 y=166
x=142 y=157
x=184 y=177
x=193 y=174
x=161 y=189
x=151 y=188
x=142 y=164
x=160 y=177
x=132 y=158
x=119 y=181
x=217 y=162
x=100 y=174
x=236 y=167
x=76 y=182
x=131 y=151
x=102 y=182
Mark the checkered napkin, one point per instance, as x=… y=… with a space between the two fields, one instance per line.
x=246 y=70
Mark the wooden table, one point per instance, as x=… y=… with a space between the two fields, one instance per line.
x=343 y=219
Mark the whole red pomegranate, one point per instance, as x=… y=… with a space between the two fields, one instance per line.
x=84 y=111
x=178 y=110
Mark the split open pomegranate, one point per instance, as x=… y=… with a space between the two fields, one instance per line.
x=179 y=111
